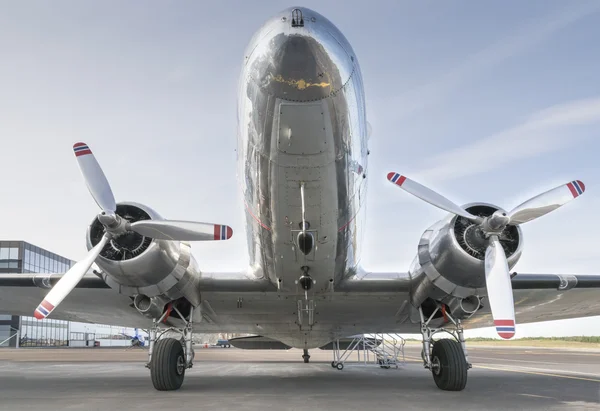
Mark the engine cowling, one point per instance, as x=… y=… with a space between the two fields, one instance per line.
x=449 y=266
x=153 y=271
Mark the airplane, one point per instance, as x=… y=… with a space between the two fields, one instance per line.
x=137 y=340
x=302 y=150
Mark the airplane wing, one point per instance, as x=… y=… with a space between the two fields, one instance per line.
x=537 y=297
x=93 y=301
x=546 y=297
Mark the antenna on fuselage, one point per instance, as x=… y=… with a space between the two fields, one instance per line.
x=306 y=240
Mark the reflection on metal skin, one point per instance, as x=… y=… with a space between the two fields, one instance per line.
x=301 y=117
x=301 y=64
x=443 y=269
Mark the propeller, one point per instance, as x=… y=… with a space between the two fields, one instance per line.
x=116 y=225
x=181 y=230
x=497 y=275
x=68 y=281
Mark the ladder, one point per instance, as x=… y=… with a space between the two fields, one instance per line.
x=381 y=350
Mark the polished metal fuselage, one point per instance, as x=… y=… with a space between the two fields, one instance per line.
x=302 y=121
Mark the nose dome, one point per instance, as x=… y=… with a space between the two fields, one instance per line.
x=300 y=57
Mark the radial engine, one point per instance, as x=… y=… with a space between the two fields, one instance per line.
x=450 y=262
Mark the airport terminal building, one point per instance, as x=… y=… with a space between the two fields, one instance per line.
x=21 y=331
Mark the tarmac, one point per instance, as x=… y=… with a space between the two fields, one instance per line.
x=502 y=378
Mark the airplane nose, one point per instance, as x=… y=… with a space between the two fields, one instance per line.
x=299 y=55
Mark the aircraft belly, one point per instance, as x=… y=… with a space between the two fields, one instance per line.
x=274 y=315
x=303 y=154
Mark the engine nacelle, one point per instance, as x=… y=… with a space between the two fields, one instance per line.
x=158 y=271
x=449 y=266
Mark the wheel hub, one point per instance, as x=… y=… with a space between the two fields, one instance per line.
x=436 y=367
x=180 y=365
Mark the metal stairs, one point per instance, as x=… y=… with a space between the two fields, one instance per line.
x=381 y=350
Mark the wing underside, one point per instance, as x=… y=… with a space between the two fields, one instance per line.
x=374 y=303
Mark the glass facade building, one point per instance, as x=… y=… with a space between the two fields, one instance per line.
x=22 y=257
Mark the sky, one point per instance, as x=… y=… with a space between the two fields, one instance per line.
x=480 y=101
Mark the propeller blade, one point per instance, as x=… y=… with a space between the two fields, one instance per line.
x=499 y=289
x=68 y=281
x=181 y=230
x=544 y=203
x=94 y=177
x=429 y=196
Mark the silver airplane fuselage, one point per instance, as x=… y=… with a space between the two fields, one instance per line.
x=302 y=151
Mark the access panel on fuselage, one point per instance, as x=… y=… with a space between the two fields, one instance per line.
x=304 y=156
x=301 y=129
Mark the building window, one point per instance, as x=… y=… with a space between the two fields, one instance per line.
x=14 y=253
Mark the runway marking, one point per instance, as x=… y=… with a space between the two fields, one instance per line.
x=508 y=359
x=530 y=371
x=571 y=377
x=537 y=396
x=539 y=352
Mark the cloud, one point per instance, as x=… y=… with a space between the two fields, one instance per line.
x=518 y=42
x=538 y=134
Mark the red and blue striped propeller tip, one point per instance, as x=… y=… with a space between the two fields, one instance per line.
x=222 y=232
x=396 y=178
x=43 y=310
x=577 y=188
x=81 y=149
x=505 y=328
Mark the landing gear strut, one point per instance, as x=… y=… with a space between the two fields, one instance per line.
x=446 y=358
x=168 y=358
x=305 y=356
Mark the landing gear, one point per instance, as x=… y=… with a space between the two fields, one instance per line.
x=167 y=368
x=306 y=357
x=168 y=358
x=449 y=366
x=446 y=358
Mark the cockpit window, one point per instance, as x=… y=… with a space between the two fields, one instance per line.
x=297 y=19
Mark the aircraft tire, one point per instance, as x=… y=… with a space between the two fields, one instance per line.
x=167 y=369
x=451 y=374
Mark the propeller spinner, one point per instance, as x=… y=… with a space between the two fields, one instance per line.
x=497 y=275
x=115 y=225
